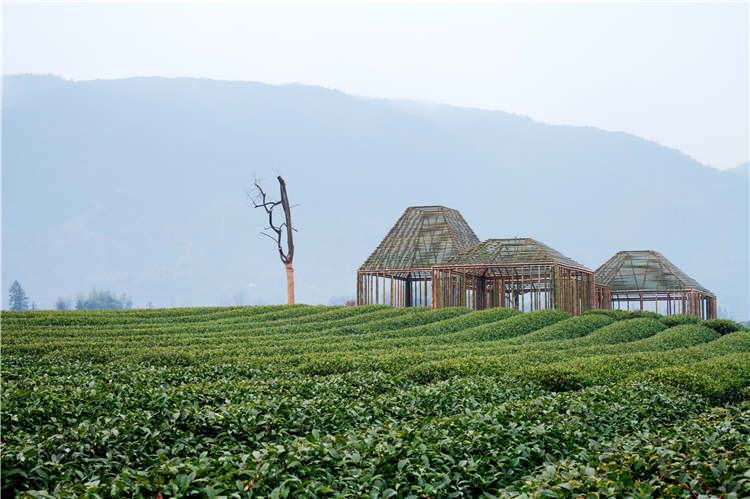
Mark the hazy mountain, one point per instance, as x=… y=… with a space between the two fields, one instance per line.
x=743 y=169
x=139 y=186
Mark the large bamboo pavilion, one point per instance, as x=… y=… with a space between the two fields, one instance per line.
x=399 y=271
x=520 y=273
x=640 y=279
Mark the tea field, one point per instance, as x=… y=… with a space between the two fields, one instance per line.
x=373 y=401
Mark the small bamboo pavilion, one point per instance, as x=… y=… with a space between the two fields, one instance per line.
x=519 y=273
x=647 y=280
x=431 y=257
x=399 y=271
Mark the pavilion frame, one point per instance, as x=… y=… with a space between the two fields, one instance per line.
x=603 y=296
x=396 y=287
x=637 y=278
x=673 y=301
x=523 y=286
x=398 y=272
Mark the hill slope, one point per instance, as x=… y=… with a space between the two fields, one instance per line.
x=368 y=401
x=138 y=185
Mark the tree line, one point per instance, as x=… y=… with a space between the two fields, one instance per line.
x=96 y=300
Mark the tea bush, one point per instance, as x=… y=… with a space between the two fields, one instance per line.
x=513 y=326
x=288 y=401
x=677 y=319
x=707 y=455
x=566 y=329
x=724 y=326
x=720 y=379
x=624 y=314
x=623 y=331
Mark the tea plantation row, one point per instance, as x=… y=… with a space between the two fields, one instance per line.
x=289 y=401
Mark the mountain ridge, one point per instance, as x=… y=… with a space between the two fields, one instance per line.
x=400 y=103
x=124 y=163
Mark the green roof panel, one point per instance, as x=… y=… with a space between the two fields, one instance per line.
x=422 y=237
x=644 y=270
x=510 y=252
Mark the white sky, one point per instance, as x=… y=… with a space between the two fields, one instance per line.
x=673 y=73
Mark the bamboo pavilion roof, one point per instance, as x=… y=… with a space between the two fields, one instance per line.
x=510 y=252
x=422 y=237
x=644 y=270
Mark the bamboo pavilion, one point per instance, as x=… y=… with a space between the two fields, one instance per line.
x=431 y=257
x=399 y=271
x=639 y=279
x=520 y=273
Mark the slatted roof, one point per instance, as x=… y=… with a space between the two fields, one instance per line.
x=422 y=237
x=511 y=251
x=644 y=270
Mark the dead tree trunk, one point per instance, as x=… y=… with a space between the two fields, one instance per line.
x=289 y=283
x=287 y=259
x=278 y=231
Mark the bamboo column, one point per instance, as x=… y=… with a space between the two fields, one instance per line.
x=435 y=287
x=712 y=315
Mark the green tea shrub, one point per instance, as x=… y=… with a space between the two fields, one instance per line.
x=637 y=314
x=720 y=379
x=556 y=378
x=325 y=366
x=514 y=326
x=681 y=336
x=736 y=342
x=624 y=314
x=454 y=324
x=413 y=317
x=624 y=331
x=167 y=358
x=609 y=368
x=307 y=401
x=429 y=372
x=588 y=371
x=724 y=326
x=611 y=313
x=566 y=329
x=677 y=319
x=130 y=317
x=705 y=455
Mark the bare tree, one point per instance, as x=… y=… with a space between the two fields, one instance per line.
x=277 y=232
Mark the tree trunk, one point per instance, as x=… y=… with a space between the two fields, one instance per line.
x=289 y=284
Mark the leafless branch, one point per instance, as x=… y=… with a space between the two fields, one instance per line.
x=260 y=201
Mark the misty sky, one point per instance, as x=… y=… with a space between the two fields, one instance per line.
x=673 y=73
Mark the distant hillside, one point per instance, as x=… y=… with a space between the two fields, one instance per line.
x=743 y=169
x=138 y=186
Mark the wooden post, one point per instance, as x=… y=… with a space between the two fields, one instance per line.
x=713 y=308
x=435 y=280
x=555 y=290
x=481 y=288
